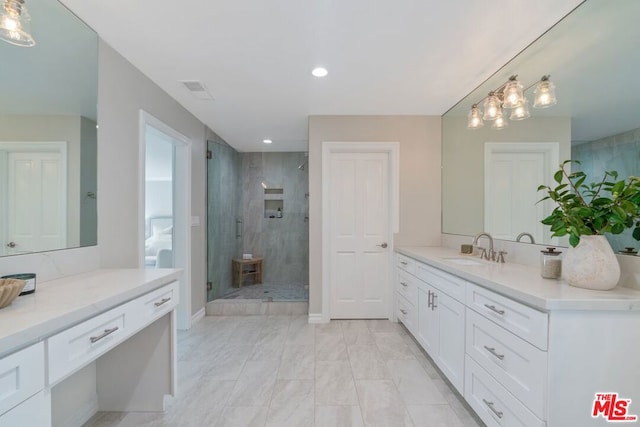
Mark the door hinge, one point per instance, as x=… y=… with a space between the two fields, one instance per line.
x=209 y=154
x=209 y=286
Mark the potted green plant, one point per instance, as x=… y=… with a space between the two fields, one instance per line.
x=585 y=212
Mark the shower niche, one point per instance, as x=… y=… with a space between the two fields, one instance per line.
x=273 y=202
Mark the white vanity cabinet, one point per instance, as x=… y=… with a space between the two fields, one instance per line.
x=506 y=360
x=440 y=315
x=21 y=387
x=123 y=321
x=522 y=350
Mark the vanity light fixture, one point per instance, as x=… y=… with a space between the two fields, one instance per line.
x=15 y=23
x=500 y=121
x=510 y=95
x=545 y=94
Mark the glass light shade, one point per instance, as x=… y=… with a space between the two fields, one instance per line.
x=500 y=122
x=521 y=111
x=15 y=23
x=544 y=94
x=513 y=95
x=475 y=118
x=491 y=107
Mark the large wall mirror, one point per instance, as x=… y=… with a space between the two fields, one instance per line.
x=48 y=136
x=490 y=177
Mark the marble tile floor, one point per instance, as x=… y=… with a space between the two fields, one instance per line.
x=281 y=371
x=272 y=291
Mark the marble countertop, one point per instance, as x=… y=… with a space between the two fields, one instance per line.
x=59 y=304
x=524 y=283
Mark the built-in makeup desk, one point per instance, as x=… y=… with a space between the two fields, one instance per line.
x=111 y=332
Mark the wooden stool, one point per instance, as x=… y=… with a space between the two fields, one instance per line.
x=246 y=267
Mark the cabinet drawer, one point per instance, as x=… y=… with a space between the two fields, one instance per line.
x=447 y=283
x=407 y=313
x=21 y=376
x=405 y=263
x=149 y=307
x=519 y=366
x=36 y=411
x=75 y=347
x=407 y=287
x=525 y=322
x=492 y=402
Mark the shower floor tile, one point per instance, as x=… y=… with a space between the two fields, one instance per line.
x=272 y=292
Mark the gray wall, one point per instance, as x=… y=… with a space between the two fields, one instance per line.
x=122 y=91
x=283 y=242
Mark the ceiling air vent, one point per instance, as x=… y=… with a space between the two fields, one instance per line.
x=197 y=89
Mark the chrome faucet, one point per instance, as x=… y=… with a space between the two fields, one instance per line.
x=491 y=255
x=521 y=235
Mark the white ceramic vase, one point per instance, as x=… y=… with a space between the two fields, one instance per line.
x=592 y=264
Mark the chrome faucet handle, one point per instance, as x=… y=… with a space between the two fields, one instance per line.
x=483 y=254
x=492 y=255
x=501 y=255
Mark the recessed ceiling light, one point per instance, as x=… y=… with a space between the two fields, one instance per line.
x=267 y=141
x=319 y=72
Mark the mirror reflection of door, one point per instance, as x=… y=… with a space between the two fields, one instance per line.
x=35 y=184
x=159 y=199
x=513 y=172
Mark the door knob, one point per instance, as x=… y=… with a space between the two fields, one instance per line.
x=11 y=244
x=384 y=245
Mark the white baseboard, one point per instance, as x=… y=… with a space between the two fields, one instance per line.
x=82 y=414
x=198 y=316
x=316 y=318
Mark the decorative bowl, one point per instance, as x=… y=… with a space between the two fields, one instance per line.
x=9 y=290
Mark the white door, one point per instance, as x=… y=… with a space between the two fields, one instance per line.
x=360 y=230
x=36 y=211
x=513 y=172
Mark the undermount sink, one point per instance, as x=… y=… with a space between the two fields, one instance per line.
x=463 y=261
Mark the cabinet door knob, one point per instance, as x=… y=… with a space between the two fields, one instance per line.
x=492 y=350
x=494 y=309
x=499 y=414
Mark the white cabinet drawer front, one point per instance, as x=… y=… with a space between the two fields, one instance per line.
x=72 y=349
x=405 y=263
x=153 y=305
x=21 y=376
x=492 y=402
x=406 y=286
x=519 y=366
x=407 y=313
x=35 y=412
x=527 y=323
x=447 y=283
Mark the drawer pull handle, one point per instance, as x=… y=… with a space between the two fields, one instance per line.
x=403 y=311
x=106 y=333
x=403 y=263
x=403 y=284
x=499 y=414
x=494 y=309
x=492 y=350
x=162 y=301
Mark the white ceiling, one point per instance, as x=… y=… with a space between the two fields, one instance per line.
x=255 y=56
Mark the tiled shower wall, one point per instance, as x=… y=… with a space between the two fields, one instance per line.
x=619 y=152
x=283 y=242
x=224 y=208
